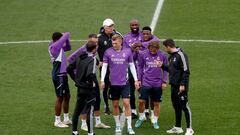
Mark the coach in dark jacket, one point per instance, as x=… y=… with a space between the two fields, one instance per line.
x=85 y=80
x=179 y=72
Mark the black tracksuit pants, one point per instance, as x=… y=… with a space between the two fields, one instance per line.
x=132 y=92
x=180 y=103
x=84 y=102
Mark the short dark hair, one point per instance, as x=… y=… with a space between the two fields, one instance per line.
x=56 y=36
x=147 y=28
x=169 y=43
x=92 y=35
x=90 y=46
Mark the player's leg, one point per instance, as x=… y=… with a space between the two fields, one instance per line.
x=178 y=111
x=57 y=81
x=106 y=93
x=125 y=92
x=80 y=105
x=146 y=111
x=156 y=97
x=183 y=98
x=132 y=97
x=83 y=117
x=90 y=102
x=143 y=97
x=98 y=123
x=114 y=95
x=66 y=99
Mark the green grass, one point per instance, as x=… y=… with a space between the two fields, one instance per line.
x=27 y=94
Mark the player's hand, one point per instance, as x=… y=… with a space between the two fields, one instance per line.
x=159 y=63
x=136 y=83
x=164 y=86
x=102 y=85
x=181 y=89
x=140 y=83
x=100 y=64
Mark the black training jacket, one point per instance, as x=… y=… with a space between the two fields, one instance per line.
x=178 y=68
x=85 y=76
x=104 y=42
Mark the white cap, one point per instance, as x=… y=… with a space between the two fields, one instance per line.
x=108 y=22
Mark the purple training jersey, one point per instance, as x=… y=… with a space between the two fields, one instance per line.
x=129 y=39
x=146 y=43
x=57 y=51
x=148 y=72
x=77 y=53
x=118 y=63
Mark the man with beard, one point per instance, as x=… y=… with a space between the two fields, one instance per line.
x=128 y=40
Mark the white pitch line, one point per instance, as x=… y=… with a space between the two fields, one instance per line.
x=207 y=41
x=156 y=15
x=83 y=40
x=35 y=42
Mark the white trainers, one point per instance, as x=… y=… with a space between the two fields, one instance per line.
x=175 y=130
x=102 y=125
x=67 y=122
x=189 y=131
x=84 y=127
x=130 y=131
x=60 y=124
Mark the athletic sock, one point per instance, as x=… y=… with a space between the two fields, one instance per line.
x=66 y=116
x=129 y=121
x=84 y=122
x=141 y=116
x=98 y=120
x=117 y=120
x=57 y=118
x=155 y=119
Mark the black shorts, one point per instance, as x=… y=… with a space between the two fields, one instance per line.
x=61 y=85
x=154 y=92
x=117 y=91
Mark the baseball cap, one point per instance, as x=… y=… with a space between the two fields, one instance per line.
x=108 y=22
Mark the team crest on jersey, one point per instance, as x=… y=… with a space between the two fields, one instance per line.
x=105 y=42
x=112 y=55
x=147 y=58
x=174 y=59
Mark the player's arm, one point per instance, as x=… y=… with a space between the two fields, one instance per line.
x=57 y=45
x=165 y=73
x=140 y=65
x=133 y=70
x=185 y=68
x=67 y=46
x=104 y=69
x=74 y=55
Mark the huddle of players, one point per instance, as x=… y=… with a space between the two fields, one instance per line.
x=136 y=52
